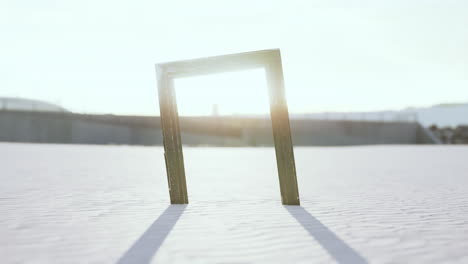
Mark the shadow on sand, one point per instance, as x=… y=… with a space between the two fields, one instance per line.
x=336 y=247
x=146 y=247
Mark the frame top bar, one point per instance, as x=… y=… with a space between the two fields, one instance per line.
x=217 y=64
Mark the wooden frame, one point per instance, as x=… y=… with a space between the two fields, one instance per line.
x=268 y=59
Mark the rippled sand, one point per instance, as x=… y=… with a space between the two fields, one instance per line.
x=109 y=204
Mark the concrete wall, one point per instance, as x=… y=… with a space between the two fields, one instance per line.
x=18 y=126
x=355 y=133
x=74 y=129
x=339 y=133
x=24 y=127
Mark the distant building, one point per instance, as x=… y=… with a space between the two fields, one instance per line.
x=22 y=104
x=23 y=120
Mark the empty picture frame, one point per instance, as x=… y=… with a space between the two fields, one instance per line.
x=270 y=60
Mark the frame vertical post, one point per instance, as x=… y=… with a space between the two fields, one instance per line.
x=282 y=133
x=171 y=137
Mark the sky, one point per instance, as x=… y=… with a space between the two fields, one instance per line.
x=338 y=55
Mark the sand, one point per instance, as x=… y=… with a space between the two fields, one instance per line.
x=110 y=204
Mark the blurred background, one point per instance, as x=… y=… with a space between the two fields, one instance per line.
x=366 y=72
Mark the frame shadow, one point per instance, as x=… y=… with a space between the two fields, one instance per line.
x=335 y=246
x=147 y=246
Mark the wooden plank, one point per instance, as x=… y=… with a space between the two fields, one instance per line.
x=171 y=137
x=282 y=133
x=219 y=64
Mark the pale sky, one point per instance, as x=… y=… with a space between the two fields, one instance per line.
x=98 y=56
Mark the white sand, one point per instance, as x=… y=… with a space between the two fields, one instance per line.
x=109 y=204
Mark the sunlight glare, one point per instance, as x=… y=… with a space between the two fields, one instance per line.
x=234 y=93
